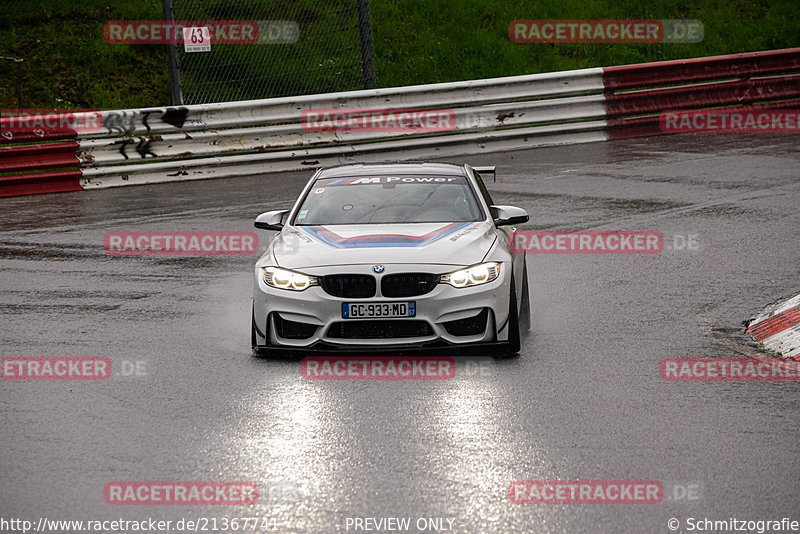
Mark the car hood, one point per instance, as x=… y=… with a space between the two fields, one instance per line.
x=298 y=247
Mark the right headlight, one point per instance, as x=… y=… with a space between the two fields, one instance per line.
x=286 y=279
x=472 y=276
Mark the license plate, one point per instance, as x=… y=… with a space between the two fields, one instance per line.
x=358 y=310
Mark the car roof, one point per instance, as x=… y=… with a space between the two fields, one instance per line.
x=392 y=168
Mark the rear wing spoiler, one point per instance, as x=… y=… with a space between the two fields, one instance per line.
x=489 y=169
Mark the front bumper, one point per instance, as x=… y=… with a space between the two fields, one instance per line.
x=445 y=316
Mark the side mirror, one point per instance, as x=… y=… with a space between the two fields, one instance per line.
x=508 y=215
x=271 y=220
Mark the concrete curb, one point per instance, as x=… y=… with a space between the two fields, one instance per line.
x=777 y=327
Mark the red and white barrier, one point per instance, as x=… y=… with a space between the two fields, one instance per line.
x=139 y=146
x=637 y=94
x=778 y=327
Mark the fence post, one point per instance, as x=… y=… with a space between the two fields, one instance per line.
x=365 y=30
x=18 y=62
x=172 y=56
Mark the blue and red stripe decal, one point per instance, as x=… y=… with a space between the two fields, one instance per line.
x=344 y=181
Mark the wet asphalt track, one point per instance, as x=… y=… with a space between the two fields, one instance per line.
x=583 y=401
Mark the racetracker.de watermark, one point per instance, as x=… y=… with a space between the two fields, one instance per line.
x=586 y=242
x=586 y=491
x=374 y=368
x=729 y=369
x=180 y=493
x=55 y=367
x=43 y=121
x=605 y=31
x=730 y=121
x=377 y=120
x=180 y=243
x=166 y=32
x=70 y=368
x=220 y=31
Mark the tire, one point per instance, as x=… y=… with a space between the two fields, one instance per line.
x=511 y=348
x=253 y=328
x=525 y=308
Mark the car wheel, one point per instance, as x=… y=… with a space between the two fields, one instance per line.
x=511 y=348
x=525 y=308
x=253 y=327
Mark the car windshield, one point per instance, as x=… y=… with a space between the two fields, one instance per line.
x=389 y=199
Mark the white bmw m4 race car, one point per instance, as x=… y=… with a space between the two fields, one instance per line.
x=391 y=256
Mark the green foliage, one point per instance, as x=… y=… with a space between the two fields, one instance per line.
x=68 y=64
x=445 y=40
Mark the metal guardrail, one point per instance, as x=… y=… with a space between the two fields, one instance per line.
x=136 y=146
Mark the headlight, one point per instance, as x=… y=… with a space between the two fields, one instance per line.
x=285 y=279
x=472 y=276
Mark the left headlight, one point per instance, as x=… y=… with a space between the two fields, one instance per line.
x=472 y=276
x=286 y=279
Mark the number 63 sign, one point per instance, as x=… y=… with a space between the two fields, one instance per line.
x=197 y=39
